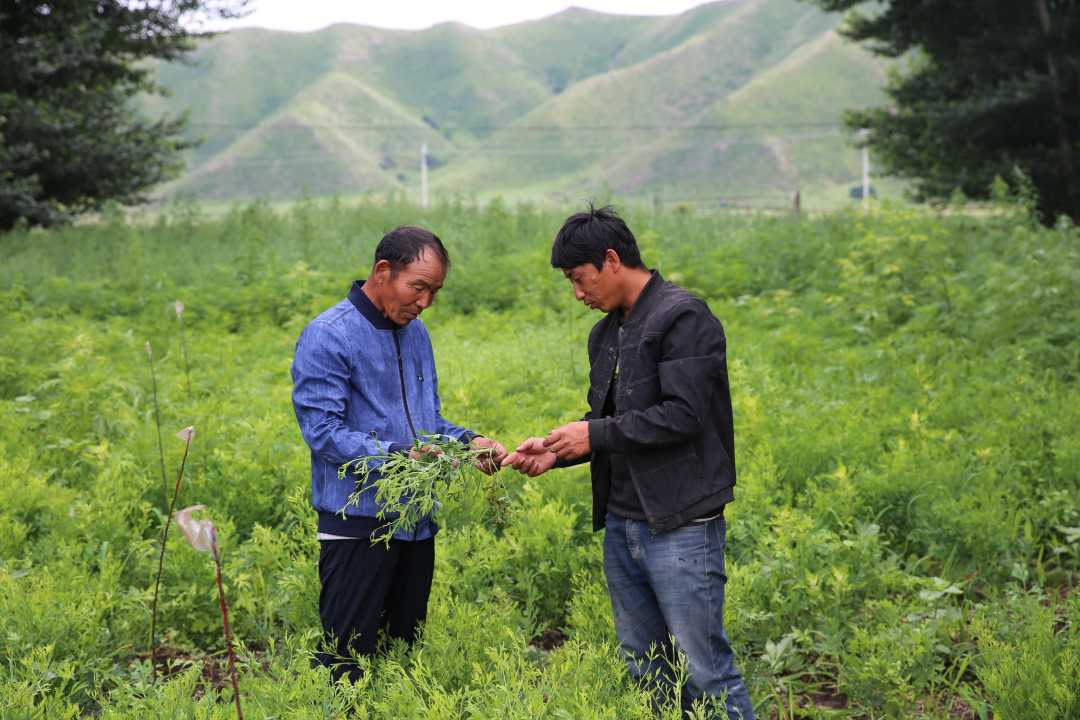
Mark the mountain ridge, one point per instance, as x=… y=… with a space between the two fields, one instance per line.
x=579 y=101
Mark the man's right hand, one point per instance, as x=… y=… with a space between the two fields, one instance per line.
x=531 y=458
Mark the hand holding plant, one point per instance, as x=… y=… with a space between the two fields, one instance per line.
x=408 y=485
x=420 y=452
x=491 y=457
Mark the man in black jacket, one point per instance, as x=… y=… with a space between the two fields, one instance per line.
x=659 y=437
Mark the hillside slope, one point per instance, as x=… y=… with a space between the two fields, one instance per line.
x=735 y=99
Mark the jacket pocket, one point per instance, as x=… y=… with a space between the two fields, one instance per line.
x=669 y=479
x=682 y=458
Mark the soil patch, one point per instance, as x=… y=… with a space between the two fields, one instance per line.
x=549 y=639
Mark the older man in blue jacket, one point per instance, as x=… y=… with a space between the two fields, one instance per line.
x=364 y=384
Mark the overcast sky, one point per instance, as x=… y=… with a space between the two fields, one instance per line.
x=304 y=15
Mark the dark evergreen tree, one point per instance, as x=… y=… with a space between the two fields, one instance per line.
x=70 y=135
x=984 y=87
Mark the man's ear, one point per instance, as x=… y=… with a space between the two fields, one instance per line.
x=612 y=260
x=380 y=271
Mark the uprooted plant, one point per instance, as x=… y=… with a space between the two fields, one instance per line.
x=410 y=485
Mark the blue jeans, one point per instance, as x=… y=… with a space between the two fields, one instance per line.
x=671 y=587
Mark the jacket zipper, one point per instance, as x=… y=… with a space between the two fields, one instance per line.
x=401 y=377
x=404 y=400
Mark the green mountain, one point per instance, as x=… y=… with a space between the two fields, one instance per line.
x=730 y=102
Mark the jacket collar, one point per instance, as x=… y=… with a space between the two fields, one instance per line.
x=646 y=298
x=367 y=308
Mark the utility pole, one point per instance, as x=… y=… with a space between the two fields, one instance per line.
x=863 y=134
x=423 y=176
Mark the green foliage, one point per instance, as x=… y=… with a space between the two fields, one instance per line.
x=68 y=139
x=1034 y=670
x=904 y=542
x=519 y=560
x=988 y=90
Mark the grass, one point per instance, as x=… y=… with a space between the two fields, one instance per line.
x=904 y=542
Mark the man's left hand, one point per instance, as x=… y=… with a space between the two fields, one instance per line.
x=490 y=461
x=571 y=441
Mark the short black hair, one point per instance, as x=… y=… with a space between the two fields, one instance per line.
x=586 y=236
x=406 y=243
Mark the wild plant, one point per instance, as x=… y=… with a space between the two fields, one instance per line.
x=408 y=486
x=157 y=423
x=179 y=306
x=187 y=434
x=203 y=537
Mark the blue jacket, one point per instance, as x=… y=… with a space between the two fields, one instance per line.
x=363 y=386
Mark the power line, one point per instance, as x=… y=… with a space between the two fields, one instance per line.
x=403 y=156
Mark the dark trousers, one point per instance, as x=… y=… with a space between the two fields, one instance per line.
x=367 y=588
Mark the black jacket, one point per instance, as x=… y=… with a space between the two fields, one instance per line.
x=673 y=422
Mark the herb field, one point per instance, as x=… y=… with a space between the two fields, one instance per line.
x=905 y=539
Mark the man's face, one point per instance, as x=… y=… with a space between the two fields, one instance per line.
x=595 y=288
x=410 y=291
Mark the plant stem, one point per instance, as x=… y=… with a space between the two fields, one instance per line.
x=157 y=423
x=161 y=562
x=228 y=637
x=183 y=346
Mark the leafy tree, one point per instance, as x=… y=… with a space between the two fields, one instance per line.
x=988 y=87
x=70 y=138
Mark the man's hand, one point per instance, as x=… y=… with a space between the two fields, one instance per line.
x=569 y=442
x=419 y=453
x=491 y=460
x=531 y=458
